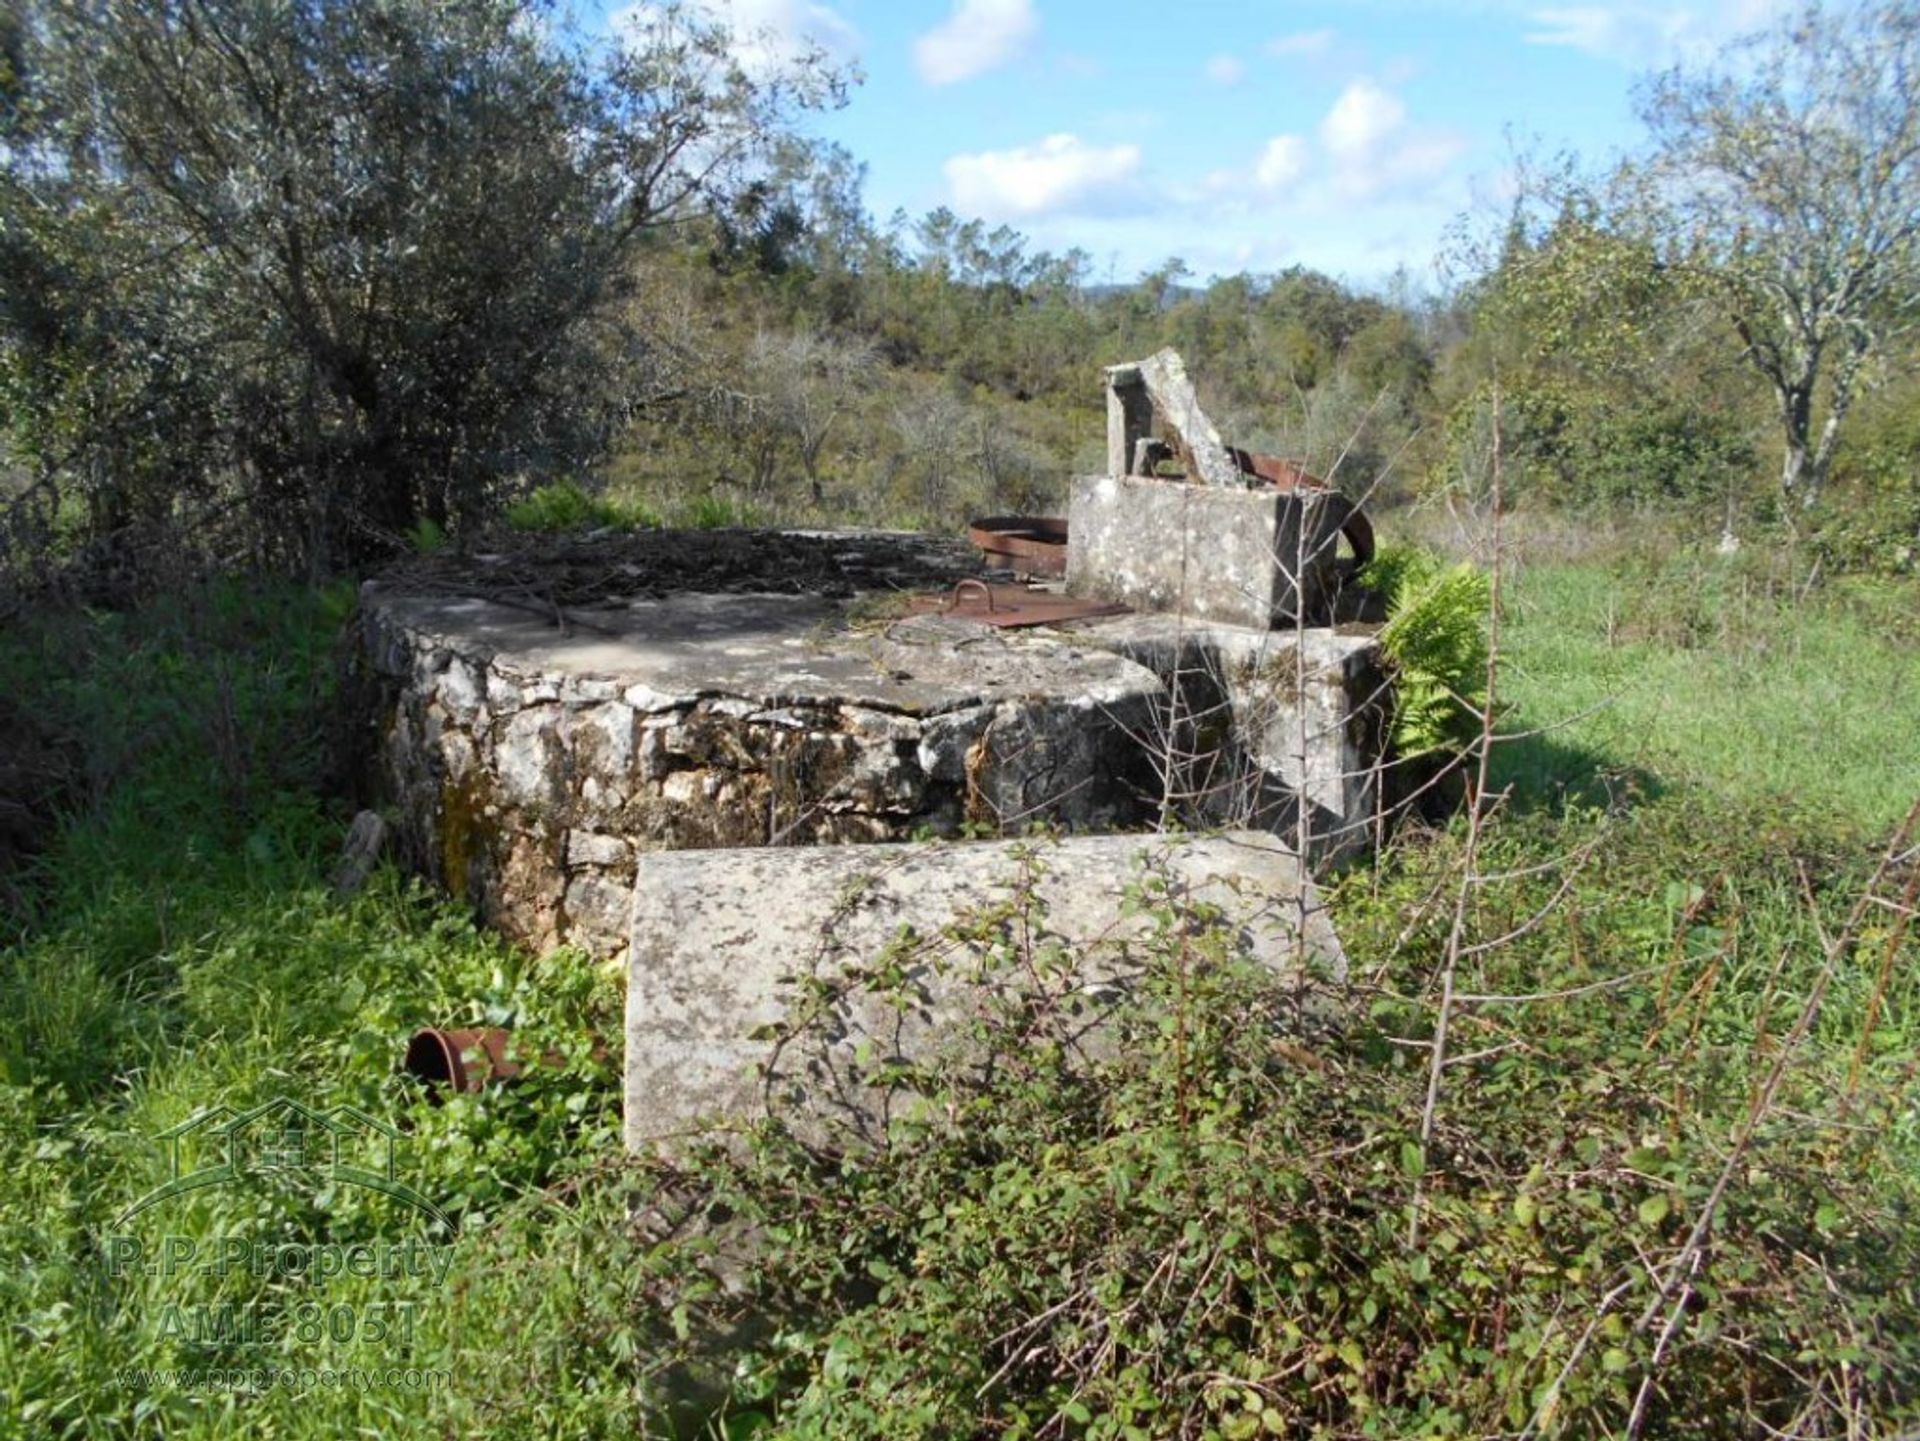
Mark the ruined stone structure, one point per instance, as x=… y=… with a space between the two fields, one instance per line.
x=628 y=743
x=532 y=754
x=1247 y=540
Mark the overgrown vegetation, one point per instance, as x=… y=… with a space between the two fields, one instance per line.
x=1613 y=1133
x=691 y=309
x=1435 y=640
x=565 y=505
x=182 y=948
x=1204 y=1232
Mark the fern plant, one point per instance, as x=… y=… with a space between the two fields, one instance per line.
x=1435 y=642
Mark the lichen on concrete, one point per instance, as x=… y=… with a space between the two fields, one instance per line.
x=789 y=1011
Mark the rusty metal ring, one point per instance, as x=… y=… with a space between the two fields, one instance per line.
x=986 y=594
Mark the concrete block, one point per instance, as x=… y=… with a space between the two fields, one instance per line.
x=1243 y=557
x=1307 y=708
x=726 y=943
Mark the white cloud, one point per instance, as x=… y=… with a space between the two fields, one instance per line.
x=764 y=36
x=1365 y=153
x=1639 y=34
x=1373 y=149
x=1300 y=43
x=1226 y=70
x=1363 y=117
x=1061 y=174
x=1282 y=162
x=1626 y=34
x=979 y=35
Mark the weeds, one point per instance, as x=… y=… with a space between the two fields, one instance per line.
x=566 y=505
x=182 y=949
x=1202 y=1233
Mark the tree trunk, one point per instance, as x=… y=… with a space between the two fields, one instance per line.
x=1794 y=472
x=1798 y=478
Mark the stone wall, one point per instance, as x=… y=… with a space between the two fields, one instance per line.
x=533 y=737
x=527 y=772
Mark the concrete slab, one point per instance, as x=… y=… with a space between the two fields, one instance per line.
x=1242 y=557
x=726 y=944
x=776 y=650
x=1266 y=718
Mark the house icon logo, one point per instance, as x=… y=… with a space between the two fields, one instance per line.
x=340 y=1145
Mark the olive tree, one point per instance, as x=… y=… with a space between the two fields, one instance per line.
x=1784 y=183
x=344 y=266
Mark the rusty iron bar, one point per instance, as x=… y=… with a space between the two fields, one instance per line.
x=1011 y=607
x=955 y=601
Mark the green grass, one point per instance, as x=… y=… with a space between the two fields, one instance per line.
x=1697 y=672
x=182 y=948
x=565 y=505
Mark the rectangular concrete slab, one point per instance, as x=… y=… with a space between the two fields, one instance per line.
x=729 y=945
x=1243 y=557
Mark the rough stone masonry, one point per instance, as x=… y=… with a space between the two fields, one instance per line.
x=530 y=767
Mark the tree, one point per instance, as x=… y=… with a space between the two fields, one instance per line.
x=363 y=259
x=803 y=383
x=1786 y=183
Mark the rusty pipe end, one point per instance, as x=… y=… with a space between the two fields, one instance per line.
x=462 y=1061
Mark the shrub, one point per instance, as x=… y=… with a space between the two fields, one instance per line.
x=431 y=312
x=1224 y=1224
x=566 y=505
x=1870 y=521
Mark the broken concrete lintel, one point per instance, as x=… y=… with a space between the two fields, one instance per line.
x=1163 y=377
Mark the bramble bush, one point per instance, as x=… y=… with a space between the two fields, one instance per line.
x=1205 y=1229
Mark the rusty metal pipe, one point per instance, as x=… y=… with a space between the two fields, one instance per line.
x=464 y=1061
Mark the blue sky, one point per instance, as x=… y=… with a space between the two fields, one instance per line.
x=1237 y=136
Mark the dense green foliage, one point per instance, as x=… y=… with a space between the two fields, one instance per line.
x=304 y=273
x=1435 y=639
x=182 y=949
x=564 y=505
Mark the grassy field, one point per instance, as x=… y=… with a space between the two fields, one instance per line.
x=1698 y=671
x=183 y=949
